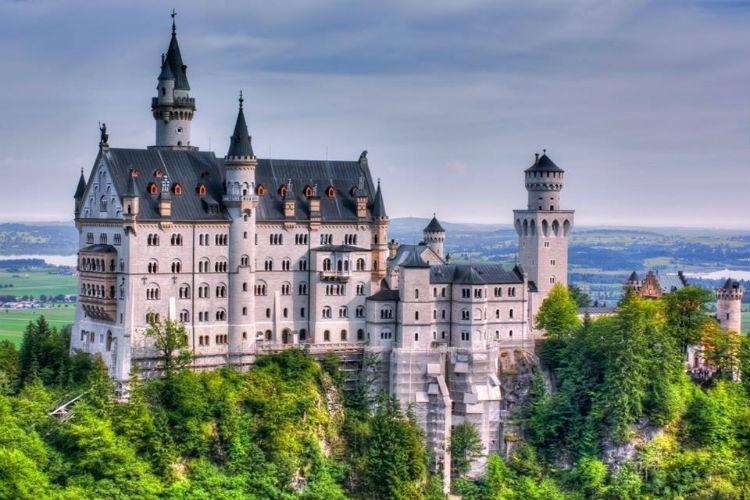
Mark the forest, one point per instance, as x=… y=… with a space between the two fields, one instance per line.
x=612 y=413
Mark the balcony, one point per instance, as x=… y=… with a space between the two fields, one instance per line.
x=98 y=281
x=333 y=275
x=244 y=201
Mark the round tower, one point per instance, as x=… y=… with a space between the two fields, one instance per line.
x=434 y=236
x=543 y=230
x=544 y=181
x=240 y=200
x=728 y=302
x=173 y=108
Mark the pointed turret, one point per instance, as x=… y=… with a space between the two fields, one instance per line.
x=80 y=191
x=173 y=108
x=240 y=144
x=434 y=236
x=130 y=199
x=378 y=207
x=174 y=60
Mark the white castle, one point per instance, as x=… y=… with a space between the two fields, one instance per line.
x=258 y=255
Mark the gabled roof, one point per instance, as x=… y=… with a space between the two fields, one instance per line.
x=633 y=276
x=414 y=259
x=544 y=164
x=176 y=66
x=81 y=189
x=475 y=274
x=240 y=143
x=434 y=226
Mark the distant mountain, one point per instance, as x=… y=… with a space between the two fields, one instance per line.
x=41 y=239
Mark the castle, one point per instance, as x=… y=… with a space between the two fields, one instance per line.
x=255 y=255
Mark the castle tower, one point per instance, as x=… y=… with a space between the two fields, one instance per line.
x=434 y=237
x=241 y=201
x=728 y=302
x=380 y=238
x=173 y=108
x=543 y=230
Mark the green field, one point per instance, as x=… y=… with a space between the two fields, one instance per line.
x=13 y=322
x=36 y=283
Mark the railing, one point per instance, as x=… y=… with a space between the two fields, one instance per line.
x=335 y=275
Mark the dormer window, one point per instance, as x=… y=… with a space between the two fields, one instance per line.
x=282 y=191
x=308 y=191
x=354 y=190
x=202 y=191
x=153 y=189
x=260 y=190
x=177 y=188
x=330 y=192
x=158 y=173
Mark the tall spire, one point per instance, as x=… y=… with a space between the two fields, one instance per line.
x=81 y=187
x=174 y=59
x=378 y=207
x=240 y=143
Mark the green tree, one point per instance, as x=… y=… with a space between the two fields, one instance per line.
x=9 y=367
x=581 y=298
x=465 y=446
x=170 y=340
x=558 y=314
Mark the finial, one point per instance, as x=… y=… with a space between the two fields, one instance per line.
x=434 y=215
x=378 y=182
x=174 y=28
x=544 y=151
x=242 y=99
x=536 y=156
x=163 y=57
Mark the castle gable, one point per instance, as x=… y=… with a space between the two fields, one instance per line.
x=101 y=199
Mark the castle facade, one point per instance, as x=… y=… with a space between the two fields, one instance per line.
x=256 y=255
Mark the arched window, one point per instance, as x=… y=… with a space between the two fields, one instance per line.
x=268 y=265
x=103 y=204
x=360 y=334
x=176 y=267
x=327 y=336
x=326 y=312
x=360 y=264
x=109 y=340
x=344 y=335
x=153 y=267
x=286 y=288
x=177 y=189
x=153 y=189
x=184 y=291
x=330 y=191
x=343 y=312
x=260 y=190
x=282 y=192
x=308 y=191
x=326 y=264
x=202 y=190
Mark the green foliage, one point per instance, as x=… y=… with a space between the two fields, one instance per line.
x=466 y=446
x=44 y=354
x=558 y=314
x=170 y=340
x=580 y=297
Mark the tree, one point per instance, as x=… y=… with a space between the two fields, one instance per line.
x=170 y=340
x=9 y=366
x=581 y=298
x=722 y=350
x=466 y=446
x=558 y=315
x=685 y=312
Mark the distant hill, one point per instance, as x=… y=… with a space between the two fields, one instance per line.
x=41 y=239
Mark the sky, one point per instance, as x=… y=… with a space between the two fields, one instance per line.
x=646 y=105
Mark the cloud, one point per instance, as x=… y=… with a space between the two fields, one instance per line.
x=644 y=103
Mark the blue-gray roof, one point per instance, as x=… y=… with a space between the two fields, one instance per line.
x=475 y=274
x=434 y=226
x=240 y=143
x=544 y=164
x=177 y=67
x=190 y=168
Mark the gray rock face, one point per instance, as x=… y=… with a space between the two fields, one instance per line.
x=615 y=455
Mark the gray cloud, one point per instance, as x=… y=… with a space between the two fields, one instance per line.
x=644 y=103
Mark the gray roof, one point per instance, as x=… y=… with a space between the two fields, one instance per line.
x=81 y=189
x=414 y=259
x=240 y=143
x=633 y=276
x=731 y=284
x=342 y=175
x=166 y=71
x=544 y=164
x=378 y=207
x=475 y=274
x=670 y=282
x=174 y=59
x=190 y=168
x=434 y=226
x=384 y=295
x=403 y=253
